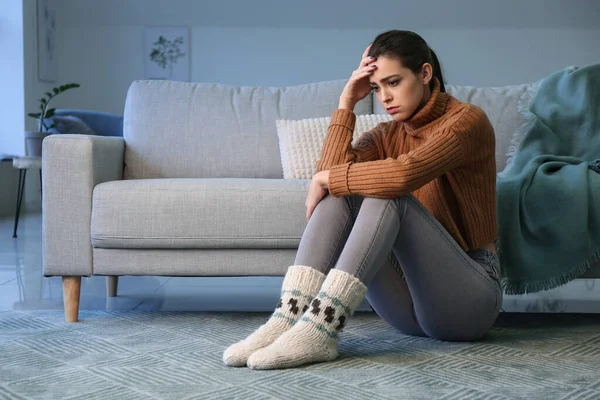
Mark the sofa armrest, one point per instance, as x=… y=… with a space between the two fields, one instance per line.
x=72 y=165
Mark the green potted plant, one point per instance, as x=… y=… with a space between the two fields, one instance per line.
x=33 y=140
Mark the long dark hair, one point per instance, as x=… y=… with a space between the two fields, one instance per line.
x=410 y=48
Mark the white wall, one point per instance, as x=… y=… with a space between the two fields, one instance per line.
x=18 y=73
x=12 y=108
x=100 y=42
x=337 y=14
x=21 y=91
x=11 y=75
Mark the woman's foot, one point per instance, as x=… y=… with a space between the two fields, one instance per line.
x=315 y=337
x=299 y=287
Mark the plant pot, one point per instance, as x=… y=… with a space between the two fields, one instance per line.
x=33 y=143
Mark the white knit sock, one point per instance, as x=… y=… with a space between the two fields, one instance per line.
x=315 y=337
x=299 y=286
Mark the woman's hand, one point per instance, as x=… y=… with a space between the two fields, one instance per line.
x=358 y=86
x=316 y=191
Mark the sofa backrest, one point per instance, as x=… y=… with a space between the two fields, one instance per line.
x=204 y=130
x=505 y=107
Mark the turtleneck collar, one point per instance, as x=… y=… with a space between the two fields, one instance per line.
x=435 y=108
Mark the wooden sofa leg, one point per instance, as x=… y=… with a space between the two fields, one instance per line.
x=71 y=290
x=111 y=286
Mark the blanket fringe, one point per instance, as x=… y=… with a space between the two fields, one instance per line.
x=523 y=287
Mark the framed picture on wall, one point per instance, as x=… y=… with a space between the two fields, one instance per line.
x=167 y=53
x=46 y=41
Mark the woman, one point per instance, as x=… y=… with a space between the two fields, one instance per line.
x=406 y=217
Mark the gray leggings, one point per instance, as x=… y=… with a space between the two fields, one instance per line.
x=419 y=279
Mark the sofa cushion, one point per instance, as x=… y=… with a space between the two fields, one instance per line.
x=199 y=213
x=205 y=130
x=505 y=106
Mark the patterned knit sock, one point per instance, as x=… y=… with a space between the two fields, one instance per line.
x=315 y=337
x=299 y=287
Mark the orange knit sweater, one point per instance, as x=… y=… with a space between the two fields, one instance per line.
x=444 y=155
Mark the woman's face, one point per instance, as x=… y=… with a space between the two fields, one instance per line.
x=399 y=90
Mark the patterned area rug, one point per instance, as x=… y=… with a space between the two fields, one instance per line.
x=177 y=355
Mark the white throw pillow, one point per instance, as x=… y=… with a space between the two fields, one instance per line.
x=301 y=141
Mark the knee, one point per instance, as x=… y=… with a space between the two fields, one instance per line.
x=398 y=204
x=332 y=201
x=377 y=200
x=329 y=203
x=381 y=205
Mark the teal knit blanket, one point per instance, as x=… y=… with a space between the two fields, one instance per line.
x=548 y=196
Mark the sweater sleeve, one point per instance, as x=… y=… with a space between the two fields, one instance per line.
x=394 y=177
x=337 y=147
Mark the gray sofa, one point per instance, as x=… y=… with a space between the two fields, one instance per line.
x=195 y=186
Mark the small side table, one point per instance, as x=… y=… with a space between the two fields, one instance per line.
x=23 y=164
